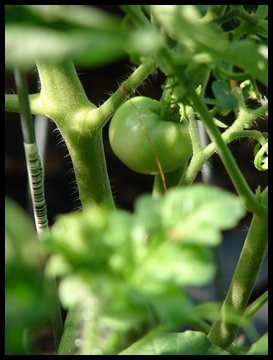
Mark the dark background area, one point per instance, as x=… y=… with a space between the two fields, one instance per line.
x=60 y=187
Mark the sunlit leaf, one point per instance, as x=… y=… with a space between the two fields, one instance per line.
x=194 y=214
x=174 y=265
x=135 y=264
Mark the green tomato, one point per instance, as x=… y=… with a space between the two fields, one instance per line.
x=142 y=140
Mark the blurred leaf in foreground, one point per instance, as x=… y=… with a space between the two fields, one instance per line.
x=55 y=32
x=135 y=264
x=25 y=305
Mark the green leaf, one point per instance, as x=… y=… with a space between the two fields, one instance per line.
x=191 y=215
x=21 y=241
x=187 y=343
x=262 y=11
x=260 y=347
x=135 y=264
x=209 y=44
x=175 y=264
x=57 y=15
x=24 y=284
x=55 y=32
x=184 y=24
x=224 y=98
x=144 y=42
x=170 y=303
x=251 y=57
x=98 y=239
x=169 y=234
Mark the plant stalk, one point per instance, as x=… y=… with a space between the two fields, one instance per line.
x=222 y=332
x=256 y=305
x=235 y=131
x=230 y=164
x=126 y=88
x=88 y=159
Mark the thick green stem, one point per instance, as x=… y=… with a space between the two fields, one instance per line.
x=222 y=332
x=80 y=124
x=87 y=155
x=62 y=93
x=66 y=103
x=230 y=164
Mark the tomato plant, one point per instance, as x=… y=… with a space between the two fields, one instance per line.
x=118 y=281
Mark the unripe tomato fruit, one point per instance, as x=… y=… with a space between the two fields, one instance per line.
x=139 y=137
